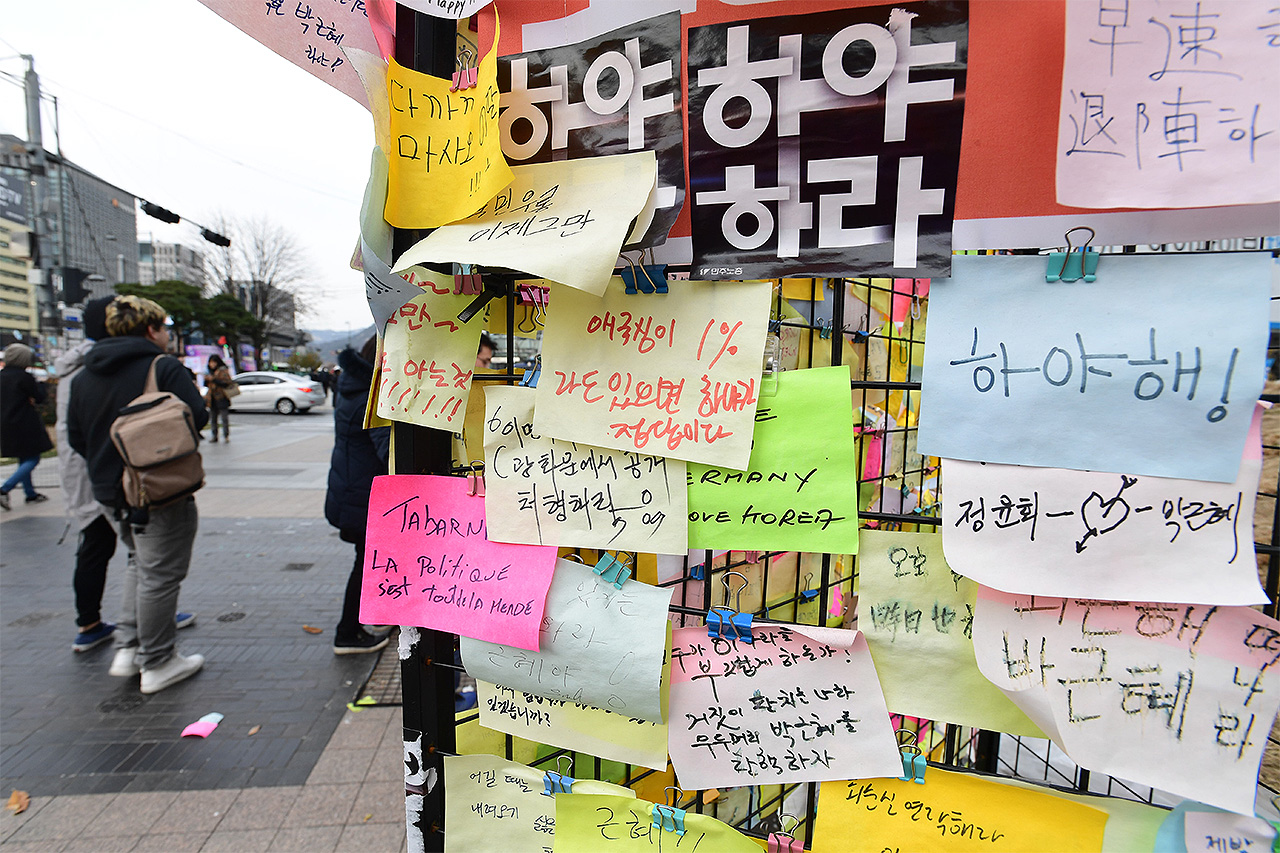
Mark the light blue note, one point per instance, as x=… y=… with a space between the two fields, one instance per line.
x=1152 y=369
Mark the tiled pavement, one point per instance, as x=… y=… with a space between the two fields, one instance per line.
x=105 y=766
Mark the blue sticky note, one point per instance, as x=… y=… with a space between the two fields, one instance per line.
x=1151 y=369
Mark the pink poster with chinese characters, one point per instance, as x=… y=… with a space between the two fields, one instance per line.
x=428 y=562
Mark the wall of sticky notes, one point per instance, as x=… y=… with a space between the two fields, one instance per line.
x=808 y=530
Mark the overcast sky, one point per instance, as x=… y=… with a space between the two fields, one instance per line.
x=171 y=103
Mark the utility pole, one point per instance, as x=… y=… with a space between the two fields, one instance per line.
x=45 y=296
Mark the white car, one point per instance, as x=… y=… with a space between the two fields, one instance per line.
x=263 y=391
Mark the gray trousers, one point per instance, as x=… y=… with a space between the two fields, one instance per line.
x=159 y=556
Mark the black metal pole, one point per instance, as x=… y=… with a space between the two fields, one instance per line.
x=425 y=44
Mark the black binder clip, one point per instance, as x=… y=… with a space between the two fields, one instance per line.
x=1077 y=262
x=558 y=783
x=668 y=818
x=913 y=761
x=612 y=570
x=644 y=278
x=728 y=623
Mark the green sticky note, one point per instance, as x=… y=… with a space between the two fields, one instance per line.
x=798 y=494
x=916 y=614
x=590 y=823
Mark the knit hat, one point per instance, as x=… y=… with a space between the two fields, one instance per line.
x=18 y=355
x=95 y=318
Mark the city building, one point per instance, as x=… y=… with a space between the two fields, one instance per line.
x=159 y=261
x=18 y=315
x=91 y=225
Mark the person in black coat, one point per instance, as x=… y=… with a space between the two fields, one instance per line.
x=359 y=455
x=22 y=432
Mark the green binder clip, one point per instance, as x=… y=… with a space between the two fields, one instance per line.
x=1076 y=263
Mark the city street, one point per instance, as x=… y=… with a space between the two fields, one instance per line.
x=266 y=564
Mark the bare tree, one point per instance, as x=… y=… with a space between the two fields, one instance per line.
x=261 y=268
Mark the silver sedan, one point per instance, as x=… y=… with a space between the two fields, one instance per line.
x=263 y=391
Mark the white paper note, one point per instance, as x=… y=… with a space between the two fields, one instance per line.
x=546 y=492
x=1177 y=696
x=785 y=708
x=1219 y=832
x=565 y=221
x=1052 y=531
x=1170 y=104
x=598 y=646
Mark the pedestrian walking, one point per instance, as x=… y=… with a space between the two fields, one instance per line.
x=217 y=380
x=93 y=520
x=358 y=456
x=22 y=432
x=160 y=538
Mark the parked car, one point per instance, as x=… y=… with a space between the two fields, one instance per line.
x=263 y=391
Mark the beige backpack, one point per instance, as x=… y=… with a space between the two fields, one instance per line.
x=156 y=437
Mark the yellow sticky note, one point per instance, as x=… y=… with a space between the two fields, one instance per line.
x=951 y=812
x=564 y=221
x=916 y=614
x=591 y=823
x=445 y=151
x=807 y=289
x=428 y=357
x=495 y=804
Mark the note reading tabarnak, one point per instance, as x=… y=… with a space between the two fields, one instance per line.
x=427 y=563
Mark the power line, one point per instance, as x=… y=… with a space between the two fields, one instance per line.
x=202 y=146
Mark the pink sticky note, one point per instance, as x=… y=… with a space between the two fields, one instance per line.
x=903 y=289
x=203 y=726
x=427 y=562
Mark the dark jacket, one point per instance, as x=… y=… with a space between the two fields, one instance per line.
x=359 y=455
x=115 y=371
x=22 y=432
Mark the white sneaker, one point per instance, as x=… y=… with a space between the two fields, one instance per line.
x=122 y=664
x=175 y=669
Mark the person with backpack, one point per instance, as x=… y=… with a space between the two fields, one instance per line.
x=159 y=535
x=97 y=532
x=22 y=432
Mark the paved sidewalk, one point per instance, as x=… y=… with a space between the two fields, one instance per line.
x=106 y=767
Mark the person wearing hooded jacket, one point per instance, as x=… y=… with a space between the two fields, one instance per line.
x=160 y=540
x=93 y=520
x=358 y=456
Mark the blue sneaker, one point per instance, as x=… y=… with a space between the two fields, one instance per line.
x=184 y=620
x=94 y=637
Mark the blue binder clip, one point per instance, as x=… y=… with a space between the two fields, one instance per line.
x=698 y=572
x=612 y=570
x=532 y=374
x=558 y=783
x=1077 y=262
x=808 y=594
x=668 y=818
x=731 y=624
x=913 y=761
x=644 y=278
